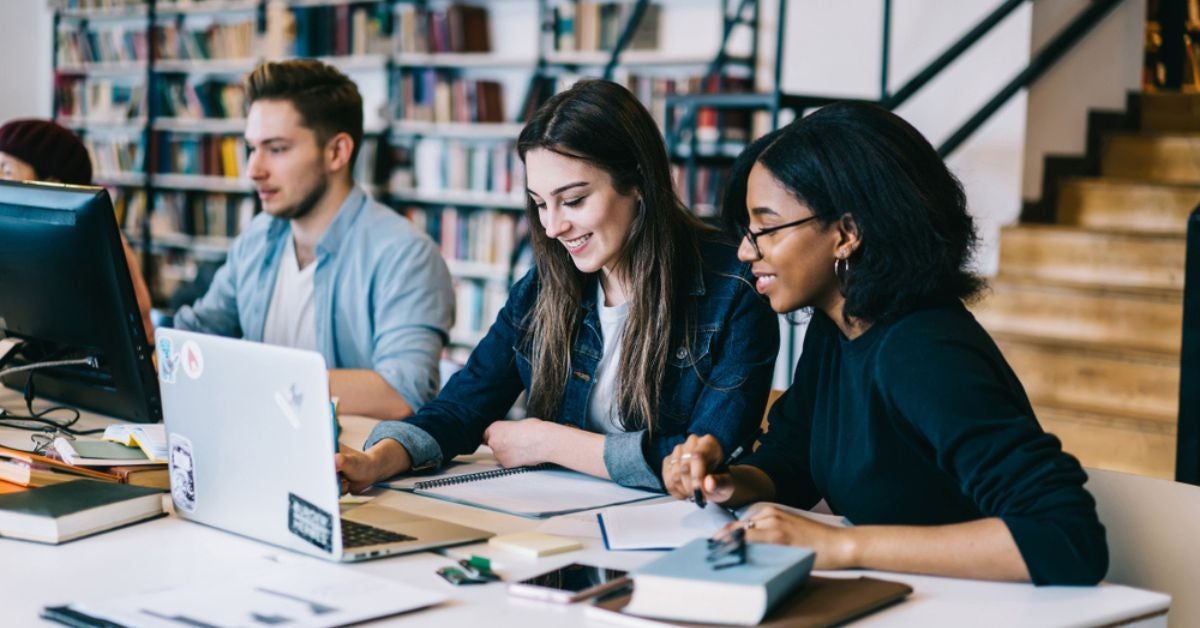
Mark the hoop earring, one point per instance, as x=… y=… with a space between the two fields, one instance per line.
x=841 y=269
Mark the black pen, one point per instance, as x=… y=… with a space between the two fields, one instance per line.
x=697 y=494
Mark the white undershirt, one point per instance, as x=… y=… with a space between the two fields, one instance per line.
x=603 y=415
x=290 y=313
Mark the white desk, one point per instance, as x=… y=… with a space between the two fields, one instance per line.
x=170 y=551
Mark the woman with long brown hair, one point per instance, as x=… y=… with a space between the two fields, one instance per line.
x=637 y=326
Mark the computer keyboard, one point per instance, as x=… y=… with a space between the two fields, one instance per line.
x=360 y=535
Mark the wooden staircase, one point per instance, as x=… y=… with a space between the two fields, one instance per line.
x=1088 y=310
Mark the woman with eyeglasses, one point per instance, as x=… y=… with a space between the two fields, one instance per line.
x=904 y=417
x=637 y=326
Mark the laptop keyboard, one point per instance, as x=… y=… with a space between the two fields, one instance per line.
x=360 y=535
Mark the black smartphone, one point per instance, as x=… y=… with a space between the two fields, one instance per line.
x=570 y=583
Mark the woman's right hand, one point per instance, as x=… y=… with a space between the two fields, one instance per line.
x=691 y=466
x=358 y=470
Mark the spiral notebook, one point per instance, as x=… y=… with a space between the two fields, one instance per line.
x=534 y=492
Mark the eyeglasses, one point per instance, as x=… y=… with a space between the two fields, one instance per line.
x=728 y=553
x=753 y=236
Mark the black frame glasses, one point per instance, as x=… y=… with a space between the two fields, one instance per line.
x=730 y=552
x=753 y=236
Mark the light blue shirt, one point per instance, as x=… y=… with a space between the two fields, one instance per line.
x=382 y=299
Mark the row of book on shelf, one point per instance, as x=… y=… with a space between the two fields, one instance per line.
x=342 y=29
x=589 y=26
x=433 y=166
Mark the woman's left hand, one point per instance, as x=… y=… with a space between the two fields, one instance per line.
x=768 y=523
x=518 y=443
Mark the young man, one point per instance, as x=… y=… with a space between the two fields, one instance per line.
x=324 y=267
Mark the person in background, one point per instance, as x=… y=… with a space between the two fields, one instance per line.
x=41 y=150
x=903 y=416
x=637 y=326
x=324 y=267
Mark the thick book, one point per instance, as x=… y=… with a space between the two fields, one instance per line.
x=684 y=584
x=67 y=511
x=819 y=603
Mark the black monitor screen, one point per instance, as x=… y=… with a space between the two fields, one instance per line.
x=65 y=291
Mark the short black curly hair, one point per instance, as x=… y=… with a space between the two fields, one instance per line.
x=911 y=212
x=328 y=101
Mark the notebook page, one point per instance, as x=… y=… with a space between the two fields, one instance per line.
x=540 y=493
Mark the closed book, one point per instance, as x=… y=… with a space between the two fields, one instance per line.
x=59 y=513
x=684 y=585
x=819 y=603
x=149 y=476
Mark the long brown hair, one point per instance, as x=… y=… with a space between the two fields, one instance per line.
x=601 y=123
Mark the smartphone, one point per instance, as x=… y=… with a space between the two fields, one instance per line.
x=570 y=583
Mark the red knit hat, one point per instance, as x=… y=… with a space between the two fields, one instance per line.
x=53 y=151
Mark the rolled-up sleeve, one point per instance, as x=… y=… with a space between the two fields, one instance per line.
x=413 y=300
x=422 y=449
x=625 y=460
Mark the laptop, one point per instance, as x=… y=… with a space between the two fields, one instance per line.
x=251 y=438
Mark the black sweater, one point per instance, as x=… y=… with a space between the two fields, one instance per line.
x=920 y=421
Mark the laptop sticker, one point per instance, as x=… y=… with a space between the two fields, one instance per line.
x=168 y=361
x=310 y=523
x=193 y=360
x=183 y=472
x=290 y=402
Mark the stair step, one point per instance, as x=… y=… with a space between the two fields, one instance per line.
x=1161 y=157
x=1138 y=319
x=1170 y=112
x=1113 y=442
x=1124 y=204
x=1088 y=379
x=1075 y=255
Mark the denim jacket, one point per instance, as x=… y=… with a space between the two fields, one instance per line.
x=382 y=294
x=719 y=386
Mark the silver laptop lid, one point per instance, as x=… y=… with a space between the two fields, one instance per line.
x=251 y=438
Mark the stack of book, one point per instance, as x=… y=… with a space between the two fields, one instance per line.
x=23 y=470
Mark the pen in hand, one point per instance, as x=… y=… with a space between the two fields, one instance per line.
x=698 y=494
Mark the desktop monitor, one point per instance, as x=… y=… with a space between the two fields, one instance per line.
x=65 y=292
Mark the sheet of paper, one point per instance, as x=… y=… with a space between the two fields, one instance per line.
x=292 y=593
x=577 y=524
x=661 y=526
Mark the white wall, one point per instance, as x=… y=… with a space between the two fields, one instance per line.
x=1095 y=75
x=834 y=49
x=25 y=43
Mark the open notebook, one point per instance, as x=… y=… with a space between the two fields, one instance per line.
x=535 y=492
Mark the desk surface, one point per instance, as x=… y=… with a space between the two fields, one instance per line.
x=170 y=551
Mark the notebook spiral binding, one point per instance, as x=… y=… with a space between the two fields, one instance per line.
x=472 y=477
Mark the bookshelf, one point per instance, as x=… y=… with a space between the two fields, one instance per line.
x=153 y=86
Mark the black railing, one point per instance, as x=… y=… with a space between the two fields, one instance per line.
x=776 y=100
x=1187 y=447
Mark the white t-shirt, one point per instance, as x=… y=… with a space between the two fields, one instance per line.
x=290 y=314
x=603 y=414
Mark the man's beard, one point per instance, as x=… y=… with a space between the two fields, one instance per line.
x=306 y=204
